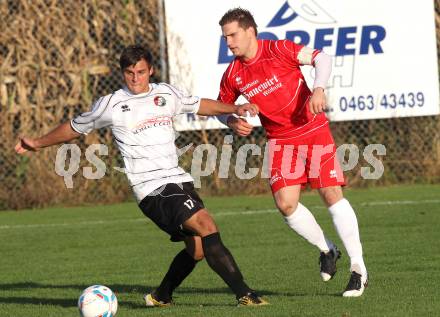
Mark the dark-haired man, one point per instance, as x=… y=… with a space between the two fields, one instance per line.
x=140 y=117
x=301 y=146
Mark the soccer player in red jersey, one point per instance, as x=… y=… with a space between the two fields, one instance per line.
x=301 y=146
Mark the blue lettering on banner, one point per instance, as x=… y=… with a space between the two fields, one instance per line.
x=298 y=36
x=280 y=19
x=367 y=32
x=386 y=101
x=371 y=38
x=320 y=38
x=344 y=39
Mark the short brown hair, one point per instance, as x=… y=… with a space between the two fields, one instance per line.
x=133 y=54
x=244 y=18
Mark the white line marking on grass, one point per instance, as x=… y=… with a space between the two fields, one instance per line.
x=246 y=212
x=69 y=224
x=401 y=202
x=218 y=214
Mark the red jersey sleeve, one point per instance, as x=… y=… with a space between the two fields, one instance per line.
x=228 y=91
x=296 y=54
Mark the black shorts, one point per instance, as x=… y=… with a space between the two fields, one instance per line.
x=170 y=206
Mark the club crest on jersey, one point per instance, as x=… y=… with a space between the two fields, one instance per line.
x=160 y=101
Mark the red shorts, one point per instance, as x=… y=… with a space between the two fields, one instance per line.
x=305 y=160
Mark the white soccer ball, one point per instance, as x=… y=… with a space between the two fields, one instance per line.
x=97 y=301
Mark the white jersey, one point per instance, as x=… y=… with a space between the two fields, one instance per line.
x=142 y=127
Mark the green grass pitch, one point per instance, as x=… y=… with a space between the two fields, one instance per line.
x=47 y=257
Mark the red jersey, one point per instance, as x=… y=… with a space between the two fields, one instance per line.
x=273 y=80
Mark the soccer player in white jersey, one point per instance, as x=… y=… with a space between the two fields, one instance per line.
x=140 y=117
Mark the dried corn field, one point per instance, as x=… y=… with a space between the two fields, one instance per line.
x=58 y=56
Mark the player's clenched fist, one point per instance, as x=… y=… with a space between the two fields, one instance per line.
x=240 y=126
x=24 y=145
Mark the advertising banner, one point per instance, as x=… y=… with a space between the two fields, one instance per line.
x=384 y=52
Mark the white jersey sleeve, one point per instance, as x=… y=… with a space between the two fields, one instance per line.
x=100 y=116
x=323 y=69
x=183 y=102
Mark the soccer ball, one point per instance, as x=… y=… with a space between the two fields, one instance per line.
x=97 y=301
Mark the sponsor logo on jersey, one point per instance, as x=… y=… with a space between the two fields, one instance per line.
x=160 y=101
x=238 y=80
x=249 y=85
x=275 y=178
x=266 y=87
x=125 y=108
x=152 y=123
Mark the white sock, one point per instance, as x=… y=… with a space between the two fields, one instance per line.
x=345 y=222
x=303 y=223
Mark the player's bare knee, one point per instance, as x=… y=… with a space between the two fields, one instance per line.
x=331 y=195
x=208 y=226
x=202 y=223
x=286 y=207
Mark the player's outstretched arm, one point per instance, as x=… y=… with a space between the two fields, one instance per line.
x=210 y=107
x=60 y=134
